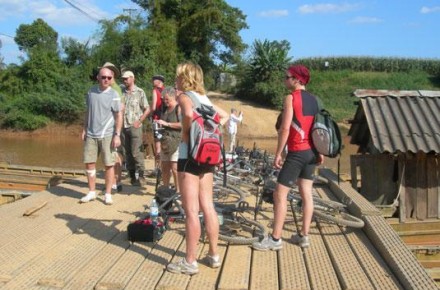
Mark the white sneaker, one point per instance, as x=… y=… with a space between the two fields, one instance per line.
x=89 y=197
x=214 y=261
x=108 y=198
x=302 y=241
x=183 y=267
x=268 y=244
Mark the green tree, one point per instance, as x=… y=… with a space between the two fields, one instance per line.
x=38 y=34
x=207 y=32
x=76 y=53
x=43 y=88
x=268 y=57
x=262 y=74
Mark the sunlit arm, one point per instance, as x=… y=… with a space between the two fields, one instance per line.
x=283 y=133
x=224 y=116
x=186 y=106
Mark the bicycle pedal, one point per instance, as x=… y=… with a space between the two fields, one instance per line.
x=243 y=205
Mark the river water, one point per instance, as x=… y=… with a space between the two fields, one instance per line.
x=65 y=151
x=62 y=151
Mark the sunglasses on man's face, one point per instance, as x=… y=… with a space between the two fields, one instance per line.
x=106 y=78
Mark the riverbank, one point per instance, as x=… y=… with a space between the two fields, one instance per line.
x=60 y=145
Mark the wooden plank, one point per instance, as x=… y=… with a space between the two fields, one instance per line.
x=104 y=230
x=402 y=190
x=16 y=226
x=410 y=186
x=176 y=281
x=421 y=189
x=150 y=272
x=292 y=266
x=375 y=268
x=317 y=257
x=64 y=259
x=368 y=181
x=401 y=261
x=350 y=272
x=236 y=268
x=208 y=277
x=264 y=267
x=432 y=187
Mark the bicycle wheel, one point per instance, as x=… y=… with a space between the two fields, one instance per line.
x=339 y=218
x=334 y=205
x=228 y=196
x=241 y=231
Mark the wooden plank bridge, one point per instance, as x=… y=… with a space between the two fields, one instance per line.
x=63 y=244
x=33 y=178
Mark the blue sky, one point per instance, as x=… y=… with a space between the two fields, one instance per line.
x=386 y=28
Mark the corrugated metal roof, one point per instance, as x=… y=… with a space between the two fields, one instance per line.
x=388 y=121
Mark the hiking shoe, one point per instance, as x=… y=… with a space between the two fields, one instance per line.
x=183 y=267
x=302 y=241
x=89 y=197
x=214 y=261
x=268 y=244
x=108 y=199
x=117 y=187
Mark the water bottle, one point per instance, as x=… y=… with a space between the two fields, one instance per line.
x=154 y=212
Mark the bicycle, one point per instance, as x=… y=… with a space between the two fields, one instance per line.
x=325 y=210
x=235 y=228
x=243 y=168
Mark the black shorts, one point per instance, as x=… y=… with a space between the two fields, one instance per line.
x=298 y=164
x=189 y=166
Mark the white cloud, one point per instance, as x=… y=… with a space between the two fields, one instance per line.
x=11 y=8
x=327 y=8
x=53 y=12
x=366 y=20
x=274 y=13
x=426 y=10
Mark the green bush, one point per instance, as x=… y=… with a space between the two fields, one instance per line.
x=45 y=108
x=23 y=120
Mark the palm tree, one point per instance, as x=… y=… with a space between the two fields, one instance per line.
x=268 y=57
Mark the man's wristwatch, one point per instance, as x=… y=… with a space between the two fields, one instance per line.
x=117 y=134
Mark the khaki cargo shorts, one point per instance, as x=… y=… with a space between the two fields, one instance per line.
x=95 y=146
x=173 y=157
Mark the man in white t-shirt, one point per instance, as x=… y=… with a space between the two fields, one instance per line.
x=234 y=119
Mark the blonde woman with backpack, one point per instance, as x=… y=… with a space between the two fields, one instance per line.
x=195 y=180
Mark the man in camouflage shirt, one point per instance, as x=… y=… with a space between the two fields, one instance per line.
x=136 y=110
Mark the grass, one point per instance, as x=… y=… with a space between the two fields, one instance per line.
x=335 y=88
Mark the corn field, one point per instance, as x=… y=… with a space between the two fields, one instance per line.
x=374 y=64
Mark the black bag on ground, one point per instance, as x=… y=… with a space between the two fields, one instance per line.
x=144 y=231
x=162 y=194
